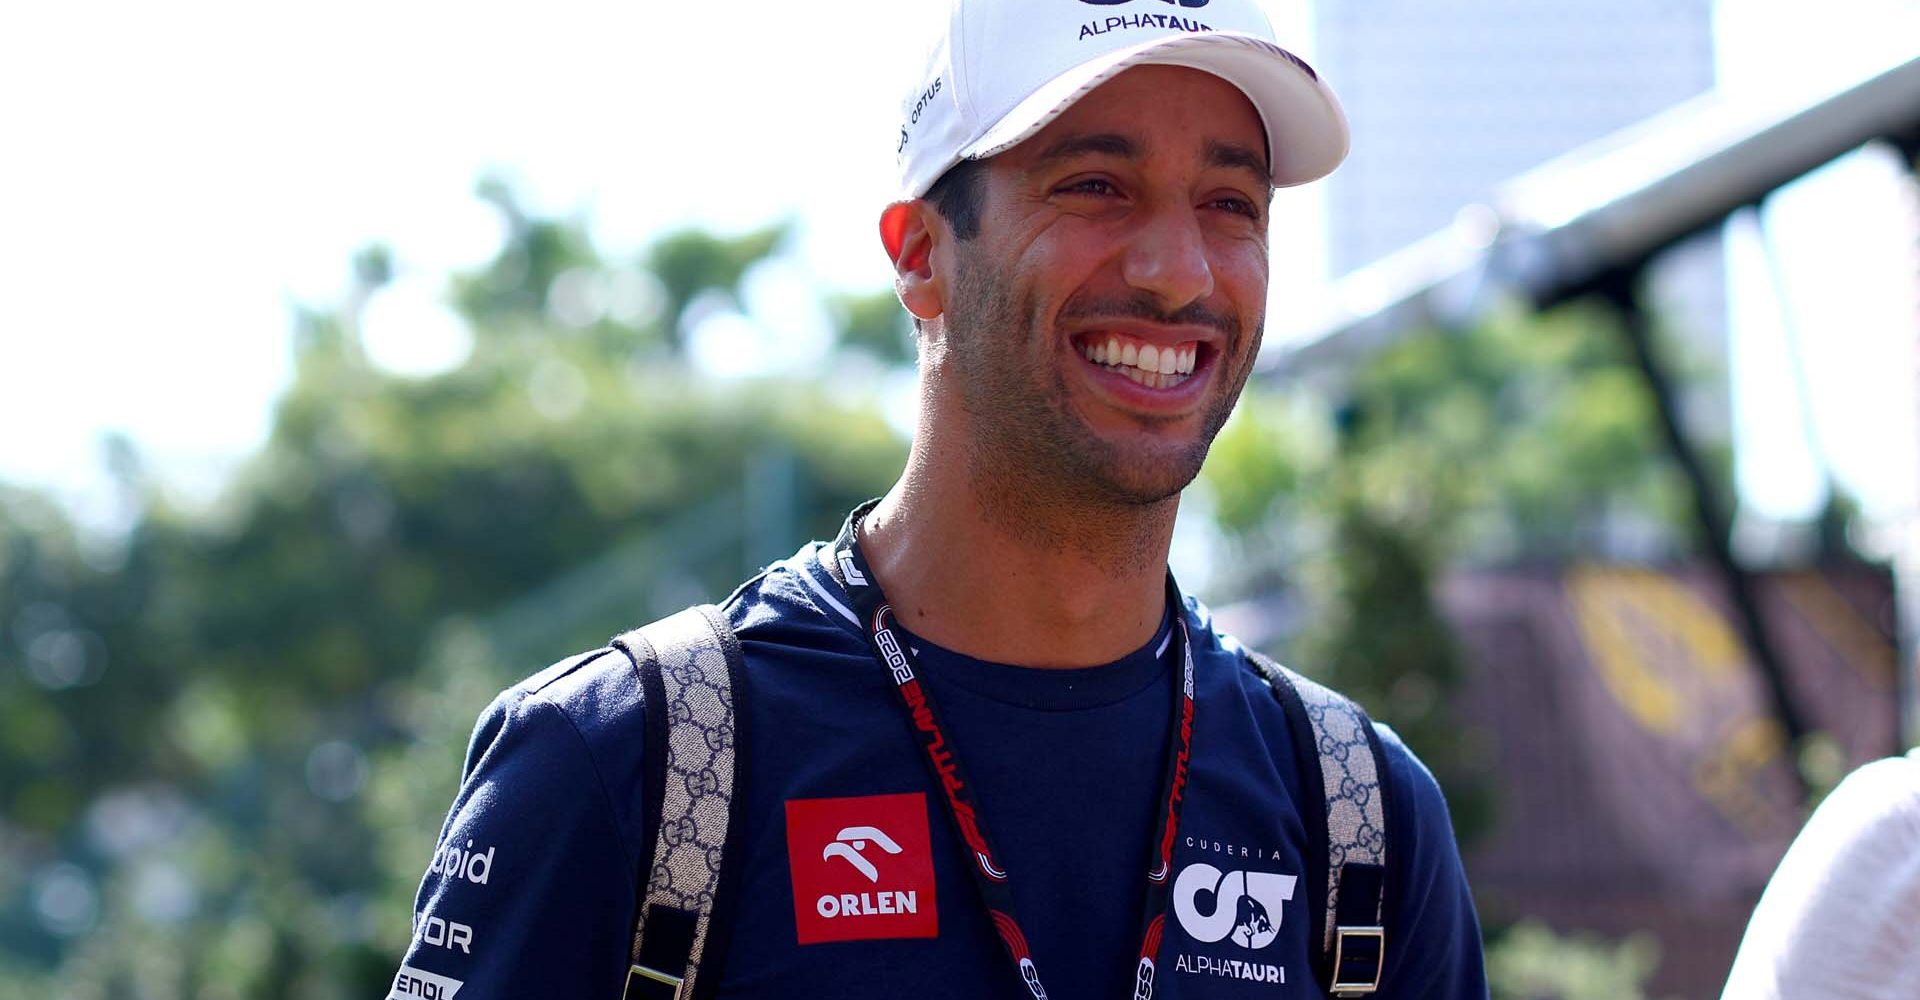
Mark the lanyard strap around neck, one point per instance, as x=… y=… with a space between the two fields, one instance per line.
x=990 y=875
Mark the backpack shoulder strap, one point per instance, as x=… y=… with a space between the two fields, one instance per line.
x=689 y=665
x=1347 y=813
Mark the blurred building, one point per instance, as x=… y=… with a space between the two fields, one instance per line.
x=1448 y=100
x=1642 y=783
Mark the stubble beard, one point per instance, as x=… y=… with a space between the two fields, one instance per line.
x=1035 y=468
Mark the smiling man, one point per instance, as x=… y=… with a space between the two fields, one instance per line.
x=980 y=745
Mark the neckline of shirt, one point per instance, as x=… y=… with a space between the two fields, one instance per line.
x=1045 y=689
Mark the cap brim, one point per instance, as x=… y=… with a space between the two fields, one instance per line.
x=1306 y=128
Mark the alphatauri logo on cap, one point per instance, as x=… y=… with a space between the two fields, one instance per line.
x=1116 y=3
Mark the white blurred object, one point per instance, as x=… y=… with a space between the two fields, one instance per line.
x=407 y=328
x=1840 y=919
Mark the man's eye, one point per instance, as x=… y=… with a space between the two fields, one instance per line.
x=1091 y=185
x=1239 y=206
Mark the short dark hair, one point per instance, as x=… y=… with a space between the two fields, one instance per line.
x=958 y=196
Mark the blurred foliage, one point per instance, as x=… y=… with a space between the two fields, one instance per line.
x=876 y=324
x=228 y=738
x=691 y=262
x=1530 y=962
x=1528 y=437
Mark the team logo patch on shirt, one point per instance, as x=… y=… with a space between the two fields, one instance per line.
x=862 y=868
x=1244 y=907
x=1241 y=907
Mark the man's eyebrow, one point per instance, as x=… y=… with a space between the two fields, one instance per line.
x=1235 y=156
x=1101 y=143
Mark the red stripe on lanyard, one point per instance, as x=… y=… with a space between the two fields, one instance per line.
x=991 y=877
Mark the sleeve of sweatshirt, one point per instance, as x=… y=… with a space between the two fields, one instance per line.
x=1437 y=954
x=531 y=888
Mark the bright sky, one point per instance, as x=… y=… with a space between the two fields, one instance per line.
x=1845 y=243
x=177 y=174
x=192 y=168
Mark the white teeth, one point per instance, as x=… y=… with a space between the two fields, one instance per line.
x=1152 y=380
x=1147 y=364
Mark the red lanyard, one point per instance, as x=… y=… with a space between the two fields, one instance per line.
x=990 y=874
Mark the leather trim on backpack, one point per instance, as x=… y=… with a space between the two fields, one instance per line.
x=689 y=665
x=1350 y=765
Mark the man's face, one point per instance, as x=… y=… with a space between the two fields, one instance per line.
x=1102 y=323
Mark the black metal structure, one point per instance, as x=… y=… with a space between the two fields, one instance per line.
x=1622 y=291
x=1587 y=225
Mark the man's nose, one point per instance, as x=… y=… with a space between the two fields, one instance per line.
x=1168 y=258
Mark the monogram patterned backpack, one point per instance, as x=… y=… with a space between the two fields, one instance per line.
x=690 y=665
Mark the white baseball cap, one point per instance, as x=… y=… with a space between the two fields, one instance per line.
x=1002 y=69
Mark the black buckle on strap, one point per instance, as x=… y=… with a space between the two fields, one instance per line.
x=1359 y=956
x=652 y=984
x=666 y=944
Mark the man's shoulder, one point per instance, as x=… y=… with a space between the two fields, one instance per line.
x=599 y=690
x=1407 y=778
x=1247 y=680
x=793 y=602
x=591 y=690
x=1429 y=908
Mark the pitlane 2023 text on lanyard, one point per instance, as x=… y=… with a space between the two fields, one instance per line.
x=943 y=763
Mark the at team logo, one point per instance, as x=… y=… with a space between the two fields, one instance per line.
x=1239 y=906
x=862 y=868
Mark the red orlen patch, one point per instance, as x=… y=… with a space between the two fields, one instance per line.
x=862 y=868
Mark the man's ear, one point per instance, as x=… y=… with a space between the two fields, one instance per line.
x=908 y=229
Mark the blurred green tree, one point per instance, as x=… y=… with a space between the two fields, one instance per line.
x=1530 y=962
x=227 y=738
x=1525 y=438
x=225 y=745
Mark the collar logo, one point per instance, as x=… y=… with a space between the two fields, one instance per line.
x=1239 y=906
x=862 y=868
x=854 y=576
x=1116 y=3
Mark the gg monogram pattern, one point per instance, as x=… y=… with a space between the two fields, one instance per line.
x=700 y=768
x=1356 y=821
